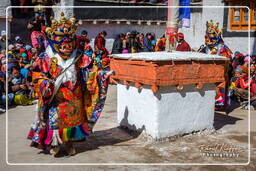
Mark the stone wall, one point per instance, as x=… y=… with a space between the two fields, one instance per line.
x=3 y=5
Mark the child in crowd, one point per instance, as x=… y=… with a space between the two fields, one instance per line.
x=19 y=87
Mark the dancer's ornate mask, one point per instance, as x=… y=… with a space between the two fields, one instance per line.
x=61 y=35
x=213 y=33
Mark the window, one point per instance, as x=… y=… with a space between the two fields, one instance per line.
x=239 y=17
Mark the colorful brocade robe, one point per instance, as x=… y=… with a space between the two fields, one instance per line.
x=221 y=99
x=71 y=96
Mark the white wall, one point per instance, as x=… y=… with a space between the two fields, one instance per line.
x=3 y=5
x=2 y=24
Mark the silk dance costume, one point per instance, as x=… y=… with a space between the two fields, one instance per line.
x=72 y=87
x=215 y=45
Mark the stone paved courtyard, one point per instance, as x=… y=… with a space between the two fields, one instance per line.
x=112 y=145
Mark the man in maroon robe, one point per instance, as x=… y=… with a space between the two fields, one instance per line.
x=182 y=44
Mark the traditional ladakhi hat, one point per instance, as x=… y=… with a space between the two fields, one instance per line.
x=24 y=55
x=28 y=47
x=33 y=50
x=238 y=54
x=180 y=35
x=3 y=33
x=17 y=38
x=244 y=69
x=11 y=46
x=239 y=70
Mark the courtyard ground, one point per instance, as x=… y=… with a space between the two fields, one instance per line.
x=110 y=144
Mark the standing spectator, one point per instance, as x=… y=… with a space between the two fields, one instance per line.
x=141 y=37
x=153 y=41
x=182 y=44
x=160 y=45
x=82 y=40
x=34 y=56
x=137 y=43
x=29 y=52
x=3 y=93
x=132 y=47
x=37 y=37
x=117 y=45
x=128 y=42
x=3 y=40
x=100 y=41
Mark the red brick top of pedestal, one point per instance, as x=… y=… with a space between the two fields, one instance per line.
x=167 y=72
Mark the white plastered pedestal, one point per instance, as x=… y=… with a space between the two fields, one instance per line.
x=168 y=112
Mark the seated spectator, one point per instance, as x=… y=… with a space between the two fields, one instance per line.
x=253 y=77
x=28 y=51
x=3 y=93
x=23 y=60
x=18 y=42
x=242 y=83
x=3 y=54
x=19 y=87
x=3 y=65
x=237 y=60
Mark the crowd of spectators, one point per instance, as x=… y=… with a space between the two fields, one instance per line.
x=238 y=70
x=133 y=42
x=242 y=79
x=16 y=65
x=22 y=61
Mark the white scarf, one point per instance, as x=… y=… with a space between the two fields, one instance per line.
x=68 y=75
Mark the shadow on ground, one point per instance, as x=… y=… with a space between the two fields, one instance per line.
x=220 y=120
x=106 y=137
x=111 y=136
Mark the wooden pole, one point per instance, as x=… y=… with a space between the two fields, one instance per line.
x=172 y=25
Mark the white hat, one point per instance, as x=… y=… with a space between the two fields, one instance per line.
x=3 y=32
x=11 y=46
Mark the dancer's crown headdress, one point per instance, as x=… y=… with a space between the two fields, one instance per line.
x=65 y=26
x=213 y=28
